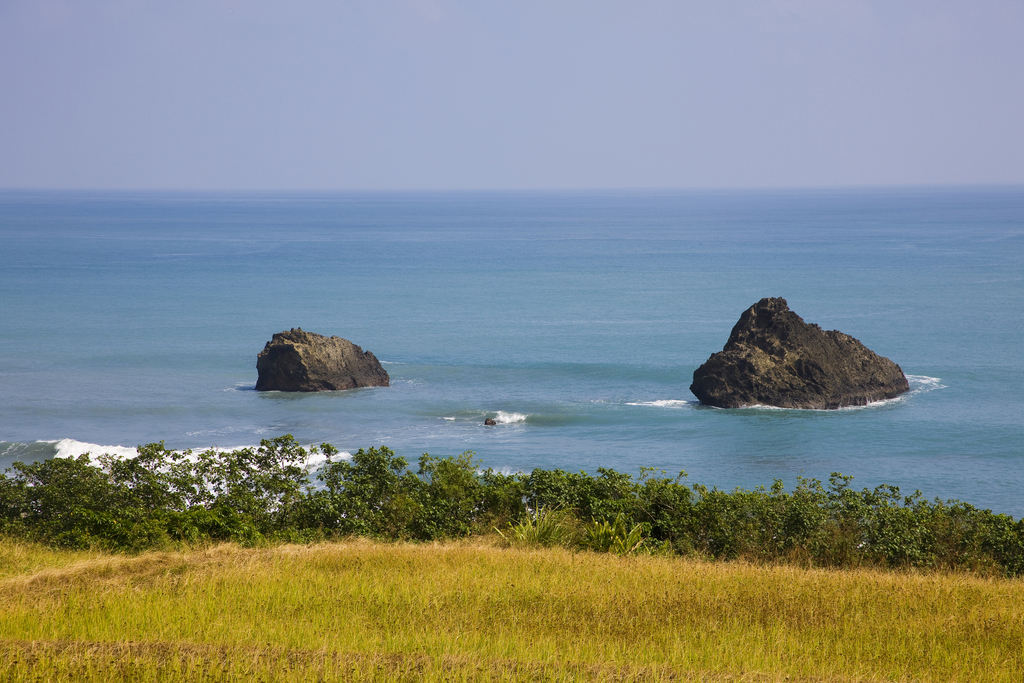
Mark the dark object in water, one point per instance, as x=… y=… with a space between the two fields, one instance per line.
x=774 y=358
x=303 y=361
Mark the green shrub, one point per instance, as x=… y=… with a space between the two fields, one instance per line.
x=254 y=495
x=613 y=537
x=450 y=496
x=545 y=527
x=373 y=494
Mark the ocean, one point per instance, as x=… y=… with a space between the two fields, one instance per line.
x=574 y=319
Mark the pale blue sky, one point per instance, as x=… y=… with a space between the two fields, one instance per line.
x=425 y=94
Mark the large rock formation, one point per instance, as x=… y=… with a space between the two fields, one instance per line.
x=302 y=361
x=774 y=358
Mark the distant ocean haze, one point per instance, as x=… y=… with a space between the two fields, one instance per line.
x=575 y=320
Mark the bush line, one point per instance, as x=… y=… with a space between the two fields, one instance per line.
x=163 y=498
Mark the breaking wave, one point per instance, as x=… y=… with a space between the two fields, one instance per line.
x=70 y=448
x=920 y=384
x=504 y=418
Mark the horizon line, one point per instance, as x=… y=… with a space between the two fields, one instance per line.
x=522 y=190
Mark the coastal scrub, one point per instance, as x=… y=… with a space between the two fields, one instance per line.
x=252 y=496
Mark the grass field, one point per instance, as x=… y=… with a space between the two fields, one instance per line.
x=476 y=611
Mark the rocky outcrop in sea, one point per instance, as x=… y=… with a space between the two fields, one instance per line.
x=297 y=360
x=774 y=358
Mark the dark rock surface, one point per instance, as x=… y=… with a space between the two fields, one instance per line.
x=303 y=361
x=774 y=358
x=490 y=422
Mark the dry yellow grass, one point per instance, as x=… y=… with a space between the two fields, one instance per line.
x=473 y=611
x=21 y=559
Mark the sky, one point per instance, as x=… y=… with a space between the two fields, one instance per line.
x=546 y=94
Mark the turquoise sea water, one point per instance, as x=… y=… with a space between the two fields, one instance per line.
x=576 y=319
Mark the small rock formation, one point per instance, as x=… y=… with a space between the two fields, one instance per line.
x=774 y=358
x=303 y=361
x=490 y=422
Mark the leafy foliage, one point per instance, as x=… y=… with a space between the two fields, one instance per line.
x=545 y=527
x=614 y=536
x=253 y=495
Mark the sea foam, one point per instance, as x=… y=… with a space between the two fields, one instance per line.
x=663 y=403
x=509 y=418
x=920 y=384
x=70 y=448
